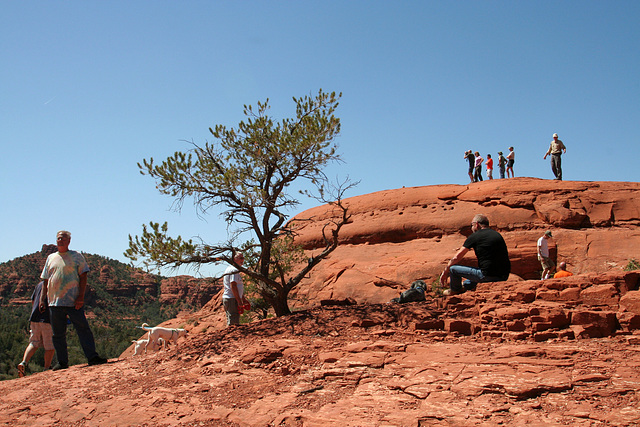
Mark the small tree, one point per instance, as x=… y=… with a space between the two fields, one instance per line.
x=249 y=173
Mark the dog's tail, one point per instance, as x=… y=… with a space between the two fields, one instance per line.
x=144 y=326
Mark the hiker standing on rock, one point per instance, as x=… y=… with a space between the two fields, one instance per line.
x=472 y=163
x=502 y=164
x=491 y=252
x=556 y=148
x=489 y=167
x=233 y=298
x=511 y=159
x=477 y=175
x=543 y=255
x=65 y=282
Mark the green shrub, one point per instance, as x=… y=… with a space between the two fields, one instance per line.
x=437 y=287
x=632 y=265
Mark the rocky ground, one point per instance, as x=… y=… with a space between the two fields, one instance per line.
x=524 y=353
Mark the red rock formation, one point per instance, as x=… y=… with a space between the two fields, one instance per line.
x=397 y=236
x=188 y=289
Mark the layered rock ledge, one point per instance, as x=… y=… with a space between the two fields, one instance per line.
x=397 y=236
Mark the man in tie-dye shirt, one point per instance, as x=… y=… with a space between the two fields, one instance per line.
x=65 y=283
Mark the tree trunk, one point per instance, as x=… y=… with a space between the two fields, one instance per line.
x=279 y=303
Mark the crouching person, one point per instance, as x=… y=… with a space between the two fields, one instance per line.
x=491 y=252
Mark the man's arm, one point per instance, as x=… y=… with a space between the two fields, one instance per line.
x=236 y=294
x=547 y=153
x=82 y=287
x=456 y=259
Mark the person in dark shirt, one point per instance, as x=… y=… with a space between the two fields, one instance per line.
x=41 y=333
x=491 y=252
x=468 y=155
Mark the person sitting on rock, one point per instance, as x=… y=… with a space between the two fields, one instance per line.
x=562 y=271
x=491 y=252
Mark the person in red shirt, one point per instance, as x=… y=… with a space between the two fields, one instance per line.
x=562 y=271
x=489 y=166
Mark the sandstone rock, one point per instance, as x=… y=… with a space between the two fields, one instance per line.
x=600 y=295
x=397 y=236
x=189 y=289
x=593 y=324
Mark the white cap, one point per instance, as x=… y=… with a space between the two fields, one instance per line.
x=555 y=135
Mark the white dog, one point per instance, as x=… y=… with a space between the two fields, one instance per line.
x=166 y=334
x=142 y=344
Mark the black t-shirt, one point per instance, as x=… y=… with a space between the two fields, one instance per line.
x=472 y=160
x=491 y=251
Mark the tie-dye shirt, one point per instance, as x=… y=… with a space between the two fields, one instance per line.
x=63 y=271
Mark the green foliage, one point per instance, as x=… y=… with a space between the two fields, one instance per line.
x=437 y=288
x=248 y=173
x=632 y=265
x=113 y=331
x=14 y=338
x=113 y=317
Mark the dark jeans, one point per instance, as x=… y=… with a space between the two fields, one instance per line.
x=477 y=175
x=59 y=317
x=556 y=165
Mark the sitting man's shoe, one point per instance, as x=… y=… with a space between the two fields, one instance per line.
x=58 y=367
x=97 y=360
x=21 y=369
x=449 y=292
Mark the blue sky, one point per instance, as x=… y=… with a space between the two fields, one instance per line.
x=90 y=88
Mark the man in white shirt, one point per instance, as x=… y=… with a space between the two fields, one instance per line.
x=233 y=298
x=543 y=255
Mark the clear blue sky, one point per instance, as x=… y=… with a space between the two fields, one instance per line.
x=90 y=88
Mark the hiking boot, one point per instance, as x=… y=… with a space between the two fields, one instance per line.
x=97 y=360
x=58 y=367
x=21 y=369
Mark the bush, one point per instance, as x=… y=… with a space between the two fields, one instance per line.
x=632 y=265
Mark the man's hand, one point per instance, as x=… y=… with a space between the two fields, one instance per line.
x=444 y=277
x=79 y=303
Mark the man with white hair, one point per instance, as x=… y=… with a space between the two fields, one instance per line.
x=556 y=149
x=64 y=284
x=233 y=298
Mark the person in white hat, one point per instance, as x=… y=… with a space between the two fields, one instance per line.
x=556 y=149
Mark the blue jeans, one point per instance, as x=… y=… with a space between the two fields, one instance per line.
x=473 y=276
x=59 y=317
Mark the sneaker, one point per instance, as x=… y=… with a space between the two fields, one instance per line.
x=58 y=367
x=449 y=292
x=97 y=360
x=21 y=368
